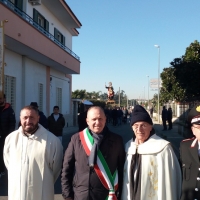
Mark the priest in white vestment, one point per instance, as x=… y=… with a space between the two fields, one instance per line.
x=151 y=170
x=33 y=157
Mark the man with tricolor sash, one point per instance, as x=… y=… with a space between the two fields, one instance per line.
x=93 y=162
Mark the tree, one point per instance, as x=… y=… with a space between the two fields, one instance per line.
x=181 y=80
x=170 y=90
x=192 y=53
x=79 y=94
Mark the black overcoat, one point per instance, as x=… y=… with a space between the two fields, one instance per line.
x=190 y=165
x=79 y=181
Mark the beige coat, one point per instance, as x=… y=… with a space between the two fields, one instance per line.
x=160 y=170
x=33 y=163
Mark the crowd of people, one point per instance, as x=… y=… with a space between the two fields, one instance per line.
x=117 y=115
x=96 y=165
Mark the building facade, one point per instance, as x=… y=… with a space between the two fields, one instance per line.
x=38 y=54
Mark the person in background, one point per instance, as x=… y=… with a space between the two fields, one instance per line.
x=56 y=123
x=169 y=118
x=151 y=111
x=114 y=116
x=82 y=124
x=7 y=125
x=189 y=158
x=164 y=118
x=119 y=116
x=33 y=157
x=125 y=114
x=151 y=170
x=43 y=119
x=93 y=162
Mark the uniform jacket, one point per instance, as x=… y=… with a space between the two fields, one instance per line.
x=79 y=181
x=7 y=120
x=56 y=127
x=33 y=163
x=190 y=169
x=160 y=170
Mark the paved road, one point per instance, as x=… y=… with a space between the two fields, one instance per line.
x=124 y=130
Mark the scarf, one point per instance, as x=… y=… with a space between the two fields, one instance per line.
x=93 y=154
x=135 y=173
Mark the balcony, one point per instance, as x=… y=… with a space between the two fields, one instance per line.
x=27 y=38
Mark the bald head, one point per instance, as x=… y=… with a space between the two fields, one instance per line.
x=96 y=119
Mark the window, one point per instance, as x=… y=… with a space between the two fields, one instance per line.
x=40 y=96
x=59 y=98
x=59 y=36
x=18 y=3
x=10 y=90
x=40 y=20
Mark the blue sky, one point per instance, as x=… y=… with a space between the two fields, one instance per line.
x=117 y=38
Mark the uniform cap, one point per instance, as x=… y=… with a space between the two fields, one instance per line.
x=194 y=115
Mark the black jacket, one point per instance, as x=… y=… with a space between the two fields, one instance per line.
x=43 y=119
x=7 y=120
x=82 y=124
x=56 y=127
x=190 y=169
x=7 y=125
x=79 y=181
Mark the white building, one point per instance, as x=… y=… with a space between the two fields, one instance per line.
x=38 y=54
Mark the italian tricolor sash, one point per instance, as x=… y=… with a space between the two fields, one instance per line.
x=109 y=181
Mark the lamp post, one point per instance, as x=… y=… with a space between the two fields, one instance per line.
x=148 y=90
x=157 y=46
x=119 y=96
x=144 y=94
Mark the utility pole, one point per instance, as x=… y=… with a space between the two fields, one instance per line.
x=119 y=96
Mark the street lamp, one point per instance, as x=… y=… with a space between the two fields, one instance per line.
x=157 y=46
x=148 y=91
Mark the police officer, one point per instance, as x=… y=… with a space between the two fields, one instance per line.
x=189 y=158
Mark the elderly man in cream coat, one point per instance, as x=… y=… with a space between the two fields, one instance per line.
x=151 y=170
x=33 y=157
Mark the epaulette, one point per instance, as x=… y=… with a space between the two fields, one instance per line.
x=188 y=139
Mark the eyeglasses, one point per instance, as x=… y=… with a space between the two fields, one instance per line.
x=197 y=127
x=143 y=126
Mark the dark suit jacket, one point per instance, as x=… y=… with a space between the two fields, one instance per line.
x=79 y=181
x=190 y=165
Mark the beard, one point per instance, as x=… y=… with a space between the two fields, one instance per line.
x=30 y=128
x=1 y=104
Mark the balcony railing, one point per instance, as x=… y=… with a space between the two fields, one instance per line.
x=26 y=17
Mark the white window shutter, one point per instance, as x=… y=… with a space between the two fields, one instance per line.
x=10 y=90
